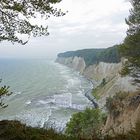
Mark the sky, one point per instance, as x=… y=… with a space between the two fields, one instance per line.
x=88 y=24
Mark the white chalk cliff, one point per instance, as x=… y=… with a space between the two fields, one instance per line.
x=114 y=84
x=97 y=72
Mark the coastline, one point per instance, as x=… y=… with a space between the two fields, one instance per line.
x=90 y=97
x=88 y=94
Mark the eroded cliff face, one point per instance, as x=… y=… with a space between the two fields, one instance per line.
x=77 y=63
x=94 y=72
x=100 y=71
x=114 y=83
x=126 y=120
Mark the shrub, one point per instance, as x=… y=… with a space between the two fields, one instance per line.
x=14 y=130
x=95 y=91
x=4 y=91
x=125 y=70
x=86 y=125
x=103 y=82
x=131 y=135
x=115 y=104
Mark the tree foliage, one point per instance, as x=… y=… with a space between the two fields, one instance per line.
x=4 y=91
x=94 y=56
x=134 y=18
x=85 y=125
x=131 y=47
x=15 y=17
x=115 y=104
x=15 y=130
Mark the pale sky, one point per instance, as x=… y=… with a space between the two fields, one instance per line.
x=88 y=24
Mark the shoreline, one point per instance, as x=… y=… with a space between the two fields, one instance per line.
x=90 y=97
x=88 y=94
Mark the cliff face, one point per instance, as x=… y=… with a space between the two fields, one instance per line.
x=77 y=63
x=98 y=72
x=114 y=83
x=94 y=72
x=102 y=70
x=127 y=118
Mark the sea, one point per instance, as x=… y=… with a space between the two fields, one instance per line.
x=45 y=94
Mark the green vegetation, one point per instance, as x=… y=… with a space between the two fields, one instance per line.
x=83 y=125
x=15 y=18
x=95 y=94
x=131 y=135
x=131 y=47
x=94 y=56
x=125 y=69
x=14 y=130
x=95 y=91
x=4 y=91
x=115 y=104
x=86 y=125
x=103 y=82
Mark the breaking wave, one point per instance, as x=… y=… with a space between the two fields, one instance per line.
x=49 y=93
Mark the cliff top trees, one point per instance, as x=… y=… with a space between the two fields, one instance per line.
x=94 y=56
x=134 y=19
x=15 y=18
x=131 y=47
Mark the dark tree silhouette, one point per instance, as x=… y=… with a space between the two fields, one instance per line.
x=131 y=47
x=4 y=91
x=15 y=18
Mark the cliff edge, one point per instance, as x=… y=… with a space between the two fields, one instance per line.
x=107 y=81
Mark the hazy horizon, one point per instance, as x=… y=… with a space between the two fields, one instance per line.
x=92 y=24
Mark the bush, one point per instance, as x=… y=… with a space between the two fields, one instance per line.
x=95 y=92
x=14 y=130
x=131 y=135
x=86 y=125
x=103 y=82
x=125 y=70
x=115 y=104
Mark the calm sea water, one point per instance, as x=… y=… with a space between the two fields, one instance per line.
x=44 y=93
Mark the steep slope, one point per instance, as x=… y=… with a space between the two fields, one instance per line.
x=107 y=82
x=77 y=63
x=123 y=114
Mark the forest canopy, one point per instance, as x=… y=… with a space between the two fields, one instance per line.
x=93 y=56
